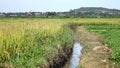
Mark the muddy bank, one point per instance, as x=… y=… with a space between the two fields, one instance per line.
x=59 y=61
x=95 y=52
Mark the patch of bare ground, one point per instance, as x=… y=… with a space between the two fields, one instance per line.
x=4 y=65
x=95 y=52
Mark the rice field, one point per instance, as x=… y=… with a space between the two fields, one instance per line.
x=26 y=42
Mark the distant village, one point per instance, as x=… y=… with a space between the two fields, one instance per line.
x=27 y=14
x=81 y=12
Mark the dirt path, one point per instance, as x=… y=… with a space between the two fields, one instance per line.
x=91 y=58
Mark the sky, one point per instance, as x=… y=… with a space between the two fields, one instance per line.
x=54 y=5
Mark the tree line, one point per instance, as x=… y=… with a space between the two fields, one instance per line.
x=84 y=12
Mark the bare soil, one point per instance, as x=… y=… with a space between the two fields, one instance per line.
x=95 y=52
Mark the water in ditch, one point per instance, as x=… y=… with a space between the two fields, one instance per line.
x=77 y=51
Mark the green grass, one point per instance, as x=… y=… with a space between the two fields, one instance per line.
x=26 y=42
x=111 y=33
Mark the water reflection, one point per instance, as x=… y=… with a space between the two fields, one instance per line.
x=77 y=48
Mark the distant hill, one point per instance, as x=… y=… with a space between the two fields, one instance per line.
x=95 y=12
x=98 y=9
x=85 y=12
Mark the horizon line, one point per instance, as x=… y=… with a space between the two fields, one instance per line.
x=54 y=11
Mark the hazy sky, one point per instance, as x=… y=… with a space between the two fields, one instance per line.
x=54 y=5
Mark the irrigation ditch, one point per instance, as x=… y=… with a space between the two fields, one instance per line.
x=95 y=53
x=64 y=55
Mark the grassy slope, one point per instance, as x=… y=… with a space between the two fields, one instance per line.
x=26 y=42
x=111 y=33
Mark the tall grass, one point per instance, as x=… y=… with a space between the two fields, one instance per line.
x=26 y=43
